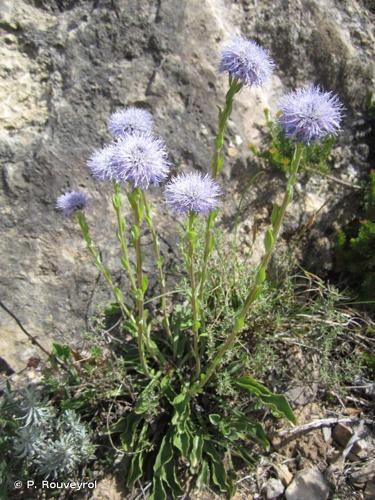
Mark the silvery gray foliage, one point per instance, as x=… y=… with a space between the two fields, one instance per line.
x=53 y=446
x=72 y=425
x=58 y=457
x=27 y=439
x=32 y=410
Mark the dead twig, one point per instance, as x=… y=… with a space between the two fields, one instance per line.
x=336 y=180
x=287 y=435
x=28 y=334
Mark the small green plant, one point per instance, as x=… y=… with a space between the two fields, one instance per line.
x=277 y=149
x=37 y=441
x=355 y=258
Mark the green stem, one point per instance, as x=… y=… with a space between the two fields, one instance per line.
x=94 y=252
x=121 y=236
x=137 y=206
x=217 y=158
x=159 y=264
x=272 y=234
x=217 y=161
x=191 y=237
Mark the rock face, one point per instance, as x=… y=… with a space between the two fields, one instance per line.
x=67 y=64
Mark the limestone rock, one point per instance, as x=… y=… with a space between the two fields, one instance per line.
x=273 y=489
x=308 y=483
x=342 y=433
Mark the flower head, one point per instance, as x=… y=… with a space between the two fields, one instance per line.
x=128 y=120
x=141 y=159
x=100 y=163
x=192 y=192
x=247 y=61
x=72 y=202
x=309 y=114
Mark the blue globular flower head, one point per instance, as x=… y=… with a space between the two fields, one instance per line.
x=246 y=61
x=309 y=114
x=100 y=163
x=72 y=202
x=129 y=120
x=192 y=192
x=141 y=159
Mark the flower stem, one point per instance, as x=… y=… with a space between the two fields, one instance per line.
x=95 y=254
x=121 y=228
x=136 y=203
x=191 y=236
x=159 y=264
x=217 y=162
x=272 y=234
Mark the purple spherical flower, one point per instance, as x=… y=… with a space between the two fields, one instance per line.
x=246 y=61
x=72 y=202
x=309 y=114
x=128 y=120
x=100 y=163
x=141 y=159
x=192 y=192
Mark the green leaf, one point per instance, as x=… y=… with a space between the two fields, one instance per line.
x=136 y=465
x=214 y=418
x=160 y=262
x=180 y=419
x=158 y=490
x=211 y=243
x=164 y=466
x=269 y=240
x=181 y=404
x=261 y=275
x=244 y=454
x=134 y=197
x=118 y=294
x=135 y=471
x=164 y=456
x=182 y=441
x=204 y=475
x=62 y=352
x=220 y=163
x=196 y=452
x=167 y=388
x=170 y=478
x=135 y=232
x=239 y=324
x=144 y=283
x=127 y=426
x=277 y=402
x=116 y=200
x=129 y=326
x=218 y=472
x=143 y=402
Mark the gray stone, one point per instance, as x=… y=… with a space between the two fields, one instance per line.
x=273 y=489
x=342 y=434
x=369 y=493
x=302 y=394
x=308 y=483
